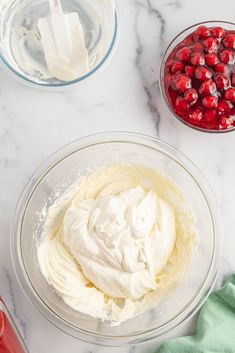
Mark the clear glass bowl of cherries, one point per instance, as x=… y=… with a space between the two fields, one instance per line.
x=198 y=76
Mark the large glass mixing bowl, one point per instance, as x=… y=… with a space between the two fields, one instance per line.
x=21 y=50
x=56 y=175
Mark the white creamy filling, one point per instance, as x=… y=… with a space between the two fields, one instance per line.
x=121 y=242
x=118 y=242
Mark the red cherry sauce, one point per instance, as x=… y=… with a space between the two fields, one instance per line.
x=10 y=340
x=199 y=78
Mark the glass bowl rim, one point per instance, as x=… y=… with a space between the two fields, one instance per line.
x=25 y=79
x=161 y=77
x=34 y=298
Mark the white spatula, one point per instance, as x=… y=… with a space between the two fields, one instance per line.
x=64 y=44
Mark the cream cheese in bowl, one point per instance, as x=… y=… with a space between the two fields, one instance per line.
x=116 y=239
x=113 y=247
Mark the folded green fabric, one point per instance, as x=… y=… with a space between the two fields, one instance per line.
x=215 y=332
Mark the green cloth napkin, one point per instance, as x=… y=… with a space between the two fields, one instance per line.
x=215 y=331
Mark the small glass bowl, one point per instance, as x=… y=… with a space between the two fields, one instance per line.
x=19 y=32
x=175 y=41
x=55 y=176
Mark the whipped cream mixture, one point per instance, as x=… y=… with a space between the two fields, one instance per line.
x=117 y=243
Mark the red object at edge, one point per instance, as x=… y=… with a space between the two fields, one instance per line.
x=10 y=340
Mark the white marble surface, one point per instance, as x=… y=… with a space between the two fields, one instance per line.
x=124 y=96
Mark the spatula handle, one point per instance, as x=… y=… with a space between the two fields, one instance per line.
x=55 y=6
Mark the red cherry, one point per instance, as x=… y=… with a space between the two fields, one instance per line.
x=229 y=41
x=224 y=107
x=211 y=59
x=230 y=95
x=227 y=56
x=217 y=32
x=223 y=68
x=207 y=87
x=170 y=79
x=182 y=82
x=169 y=63
x=210 y=102
x=190 y=71
x=198 y=47
x=233 y=79
x=181 y=105
x=203 y=32
x=177 y=66
x=183 y=54
x=196 y=115
x=211 y=125
x=211 y=44
x=191 y=96
x=197 y=59
x=225 y=122
x=202 y=73
x=188 y=41
x=222 y=81
x=210 y=115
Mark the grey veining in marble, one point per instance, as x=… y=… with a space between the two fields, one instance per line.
x=149 y=74
x=20 y=322
x=124 y=96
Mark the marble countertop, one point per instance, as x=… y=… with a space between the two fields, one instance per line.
x=124 y=96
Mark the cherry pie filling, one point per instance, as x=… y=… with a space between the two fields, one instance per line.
x=199 y=78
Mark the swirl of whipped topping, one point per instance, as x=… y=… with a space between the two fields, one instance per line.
x=117 y=242
x=121 y=242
